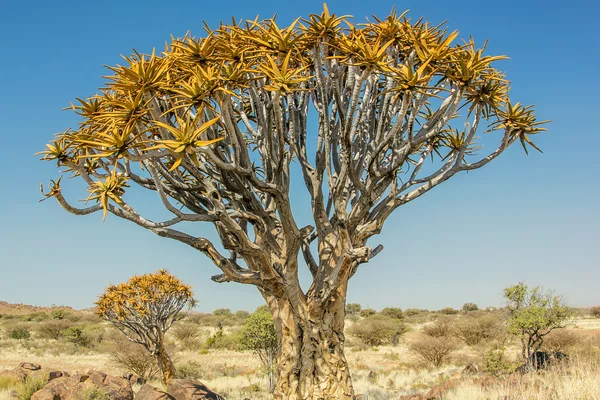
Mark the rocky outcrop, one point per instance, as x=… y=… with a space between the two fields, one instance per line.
x=184 y=389
x=148 y=392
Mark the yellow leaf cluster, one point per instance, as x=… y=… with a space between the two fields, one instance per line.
x=158 y=295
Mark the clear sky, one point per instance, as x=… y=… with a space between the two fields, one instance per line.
x=521 y=218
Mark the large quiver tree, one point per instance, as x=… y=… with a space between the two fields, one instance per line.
x=213 y=124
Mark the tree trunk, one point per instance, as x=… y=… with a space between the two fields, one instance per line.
x=311 y=362
x=165 y=364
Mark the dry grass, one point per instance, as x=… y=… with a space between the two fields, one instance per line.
x=384 y=372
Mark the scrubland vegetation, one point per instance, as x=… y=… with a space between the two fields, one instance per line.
x=391 y=352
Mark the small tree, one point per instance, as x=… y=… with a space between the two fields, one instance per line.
x=259 y=335
x=353 y=308
x=144 y=308
x=392 y=312
x=467 y=307
x=533 y=314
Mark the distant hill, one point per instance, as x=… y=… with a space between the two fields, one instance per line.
x=24 y=309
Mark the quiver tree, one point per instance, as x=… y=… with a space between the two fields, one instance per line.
x=213 y=124
x=532 y=315
x=144 y=308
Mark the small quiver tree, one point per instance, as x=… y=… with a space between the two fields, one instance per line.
x=144 y=308
x=532 y=315
x=259 y=335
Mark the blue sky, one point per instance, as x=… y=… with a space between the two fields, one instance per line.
x=522 y=218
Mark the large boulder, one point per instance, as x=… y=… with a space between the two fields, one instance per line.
x=185 y=389
x=148 y=392
x=56 y=389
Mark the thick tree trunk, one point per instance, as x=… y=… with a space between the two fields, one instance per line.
x=311 y=363
x=165 y=364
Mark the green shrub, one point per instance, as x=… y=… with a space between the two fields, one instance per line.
x=223 y=341
x=353 y=308
x=467 y=307
x=409 y=312
x=439 y=329
x=36 y=317
x=376 y=330
x=495 y=362
x=433 y=350
x=59 y=314
x=52 y=329
x=474 y=330
x=448 y=311
x=367 y=312
x=131 y=357
x=392 y=312
x=79 y=337
x=223 y=312
x=19 y=332
x=242 y=314
x=29 y=387
x=191 y=370
x=8 y=382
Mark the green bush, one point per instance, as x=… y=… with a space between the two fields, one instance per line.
x=59 y=314
x=223 y=312
x=242 y=314
x=8 y=382
x=29 y=387
x=439 y=329
x=474 y=330
x=19 y=332
x=79 y=337
x=495 y=362
x=223 y=341
x=409 y=312
x=468 y=307
x=36 y=317
x=392 y=312
x=448 y=311
x=433 y=350
x=367 y=312
x=376 y=330
x=52 y=329
x=191 y=370
x=353 y=308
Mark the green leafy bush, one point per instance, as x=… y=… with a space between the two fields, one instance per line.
x=258 y=334
x=409 y=312
x=19 y=332
x=376 y=330
x=353 y=308
x=223 y=312
x=433 y=350
x=53 y=330
x=440 y=328
x=29 y=387
x=223 y=341
x=367 y=312
x=59 y=314
x=468 y=307
x=392 y=312
x=495 y=362
x=474 y=330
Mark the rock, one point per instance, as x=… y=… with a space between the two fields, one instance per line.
x=80 y=377
x=134 y=379
x=148 y=392
x=30 y=366
x=56 y=389
x=117 y=388
x=185 y=389
x=54 y=375
x=97 y=377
